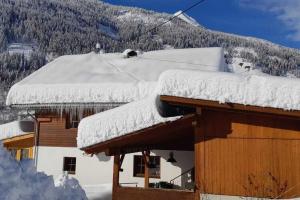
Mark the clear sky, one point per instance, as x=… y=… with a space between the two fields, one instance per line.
x=274 y=20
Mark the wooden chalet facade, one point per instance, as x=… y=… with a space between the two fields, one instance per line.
x=239 y=150
x=21 y=147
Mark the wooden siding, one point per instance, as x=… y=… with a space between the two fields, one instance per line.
x=53 y=132
x=247 y=154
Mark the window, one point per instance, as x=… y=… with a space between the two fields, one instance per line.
x=72 y=122
x=139 y=166
x=24 y=154
x=70 y=165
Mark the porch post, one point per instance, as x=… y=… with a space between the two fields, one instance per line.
x=116 y=172
x=199 y=154
x=146 y=155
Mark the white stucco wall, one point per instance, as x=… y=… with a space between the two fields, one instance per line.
x=185 y=161
x=95 y=173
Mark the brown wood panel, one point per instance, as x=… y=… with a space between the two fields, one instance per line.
x=228 y=106
x=54 y=133
x=125 y=193
x=248 y=154
x=24 y=141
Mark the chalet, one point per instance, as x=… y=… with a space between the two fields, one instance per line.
x=18 y=138
x=243 y=133
x=72 y=87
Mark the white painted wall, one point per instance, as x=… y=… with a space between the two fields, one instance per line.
x=185 y=161
x=95 y=173
x=89 y=170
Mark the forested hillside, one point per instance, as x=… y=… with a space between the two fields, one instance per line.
x=58 y=27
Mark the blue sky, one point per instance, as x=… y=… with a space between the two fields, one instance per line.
x=275 y=20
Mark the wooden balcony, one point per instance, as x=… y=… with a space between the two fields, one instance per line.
x=129 y=193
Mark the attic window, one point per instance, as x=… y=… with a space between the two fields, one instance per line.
x=128 y=53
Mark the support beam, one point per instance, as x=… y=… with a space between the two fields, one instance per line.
x=116 y=174
x=199 y=154
x=146 y=155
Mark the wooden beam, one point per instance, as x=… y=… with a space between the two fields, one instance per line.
x=229 y=106
x=116 y=174
x=199 y=154
x=17 y=138
x=146 y=155
x=154 y=137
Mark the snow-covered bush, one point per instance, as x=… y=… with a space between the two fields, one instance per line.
x=19 y=180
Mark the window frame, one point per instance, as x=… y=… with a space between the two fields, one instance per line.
x=139 y=167
x=67 y=167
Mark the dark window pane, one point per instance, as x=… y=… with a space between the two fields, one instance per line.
x=139 y=166
x=70 y=165
x=24 y=154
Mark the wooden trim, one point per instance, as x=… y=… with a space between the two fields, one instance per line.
x=199 y=154
x=17 y=138
x=116 y=174
x=232 y=106
x=114 y=146
x=146 y=156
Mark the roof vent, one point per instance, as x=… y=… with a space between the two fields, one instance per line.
x=128 y=53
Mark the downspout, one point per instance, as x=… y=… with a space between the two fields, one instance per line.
x=36 y=137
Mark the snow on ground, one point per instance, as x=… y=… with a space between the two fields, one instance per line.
x=98 y=192
x=16 y=128
x=240 y=66
x=21 y=48
x=109 y=31
x=239 y=50
x=263 y=91
x=187 y=18
x=119 y=121
x=145 y=18
x=106 y=78
x=20 y=181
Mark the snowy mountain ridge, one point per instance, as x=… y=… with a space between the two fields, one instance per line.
x=187 y=18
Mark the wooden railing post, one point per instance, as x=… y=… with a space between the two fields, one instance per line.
x=116 y=173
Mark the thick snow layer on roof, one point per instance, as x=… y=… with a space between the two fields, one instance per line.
x=263 y=91
x=21 y=181
x=16 y=128
x=119 y=121
x=103 y=78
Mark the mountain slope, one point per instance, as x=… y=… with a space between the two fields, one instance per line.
x=187 y=18
x=59 y=27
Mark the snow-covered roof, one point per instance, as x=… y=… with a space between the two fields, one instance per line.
x=263 y=91
x=105 y=78
x=16 y=128
x=119 y=121
x=255 y=90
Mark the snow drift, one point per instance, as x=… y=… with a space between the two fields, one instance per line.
x=20 y=181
